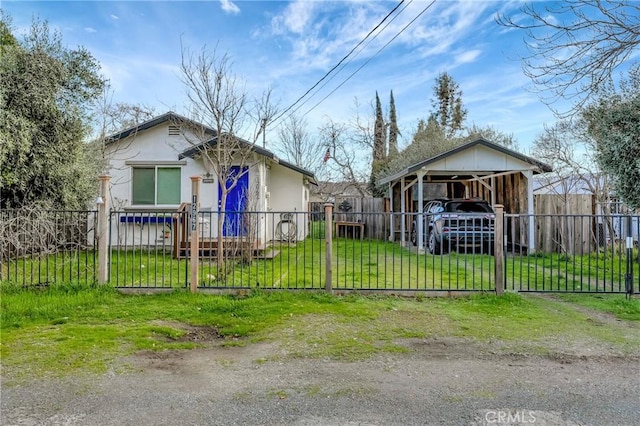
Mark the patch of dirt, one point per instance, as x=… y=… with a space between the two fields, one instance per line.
x=443 y=380
x=200 y=334
x=195 y=334
x=442 y=348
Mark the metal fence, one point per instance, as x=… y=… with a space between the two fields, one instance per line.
x=572 y=253
x=301 y=251
x=40 y=247
x=282 y=250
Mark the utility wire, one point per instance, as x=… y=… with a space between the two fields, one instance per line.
x=350 y=60
x=338 y=64
x=369 y=60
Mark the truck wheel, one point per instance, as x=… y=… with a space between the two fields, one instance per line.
x=435 y=247
x=414 y=235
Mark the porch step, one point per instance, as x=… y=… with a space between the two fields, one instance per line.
x=211 y=251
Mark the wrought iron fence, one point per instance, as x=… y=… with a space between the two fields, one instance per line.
x=572 y=253
x=301 y=250
x=142 y=249
x=39 y=247
x=288 y=250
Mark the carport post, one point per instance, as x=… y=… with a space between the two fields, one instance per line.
x=194 y=252
x=328 y=242
x=420 y=216
x=498 y=248
x=391 y=223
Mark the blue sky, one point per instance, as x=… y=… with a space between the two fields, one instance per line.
x=290 y=45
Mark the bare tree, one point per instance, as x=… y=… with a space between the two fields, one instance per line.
x=344 y=152
x=570 y=150
x=575 y=46
x=362 y=127
x=297 y=145
x=219 y=102
x=111 y=117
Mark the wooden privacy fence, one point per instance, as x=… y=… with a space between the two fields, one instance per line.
x=367 y=211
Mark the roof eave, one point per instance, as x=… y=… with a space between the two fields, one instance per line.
x=542 y=167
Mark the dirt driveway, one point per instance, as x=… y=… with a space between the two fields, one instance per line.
x=438 y=381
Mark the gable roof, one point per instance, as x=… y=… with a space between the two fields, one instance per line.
x=197 y=149
x=168 y=116
x=193 y=151
x=539 y=166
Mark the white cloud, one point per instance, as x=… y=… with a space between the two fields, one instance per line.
x=115 y=17
x=229 y=7
x=90 y=30
x=294 y=19
x=468 y=56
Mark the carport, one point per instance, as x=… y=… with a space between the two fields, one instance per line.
x=478 y=169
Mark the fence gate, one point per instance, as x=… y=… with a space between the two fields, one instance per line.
x=143 y=247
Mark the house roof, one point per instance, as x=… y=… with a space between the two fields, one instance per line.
x=193 y=151
x=168 y=116
x=538 y=166
x=197 y=149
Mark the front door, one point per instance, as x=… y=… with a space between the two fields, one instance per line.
x=235 y=204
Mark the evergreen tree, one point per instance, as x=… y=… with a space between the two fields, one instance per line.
x=45 y=95
x=393 y=128
x=614 y=123
x=449 y=110
x=379 y=134
x=379 y=150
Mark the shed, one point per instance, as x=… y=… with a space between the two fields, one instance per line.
x=479 y=169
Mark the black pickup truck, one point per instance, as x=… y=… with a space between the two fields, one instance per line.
x=455 y=224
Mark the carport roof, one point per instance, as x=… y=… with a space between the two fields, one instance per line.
x=535 y=165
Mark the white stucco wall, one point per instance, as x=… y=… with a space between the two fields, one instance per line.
x=153 y=146
x=288 y=193
x=478 y=159
x=273 y=188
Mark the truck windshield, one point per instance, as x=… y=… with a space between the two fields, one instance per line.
x=469 y=207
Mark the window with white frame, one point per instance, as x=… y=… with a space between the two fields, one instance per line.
x=155 y=185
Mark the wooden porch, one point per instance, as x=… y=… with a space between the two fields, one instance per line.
x=208 y=247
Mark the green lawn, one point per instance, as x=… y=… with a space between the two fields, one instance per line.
x=76 y=329
x=594 y=272
x=356 y=265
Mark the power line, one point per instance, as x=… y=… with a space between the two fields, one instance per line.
x=338 y=64
x=369 y=60
x=350 y=60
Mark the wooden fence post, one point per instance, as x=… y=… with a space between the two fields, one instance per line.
x=498 y=248
x=328 y=241
x=194 y=252
x=103 y=229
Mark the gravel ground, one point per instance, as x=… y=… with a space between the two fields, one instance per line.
x=439 y=382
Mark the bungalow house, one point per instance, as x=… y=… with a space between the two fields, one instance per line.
x=151 y=166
